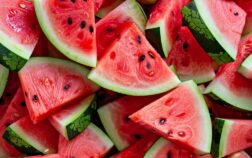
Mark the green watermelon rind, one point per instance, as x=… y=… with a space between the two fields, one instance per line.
x=246 y=67
x=4 y=74
x=102 y=136
x=78 y=120
x=218 y=89
x=103 y=11
x=17 y=139
x=210 y=23
x=110 y=128
x=107 y=84
x=72 y=53
x=156 y=146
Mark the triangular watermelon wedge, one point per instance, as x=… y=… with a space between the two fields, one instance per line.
x=50 y=83
x=181 y=116
x=70 y=27
x=131 y=66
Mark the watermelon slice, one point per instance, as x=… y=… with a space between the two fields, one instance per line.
x=50 y=83
x=97 y=5
x=32 y=139
x=72 y=120
x=4 y=73
x=231 y=87
x=134 y=67
x=15 y=111
x=189 y=59
x=163 y=148
x=241 y=154
x=138 y=149
x=108 y=6
x=230 y=136
x=19 y=32
x=114 y=117
x=70 y=27
x=148 y=2
x=185 y=121
x=47 y=156
x=108 y=28
x=163 y=25
x=209 y=20
x=90 y=143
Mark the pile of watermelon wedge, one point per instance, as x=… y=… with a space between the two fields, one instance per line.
x=125 y=78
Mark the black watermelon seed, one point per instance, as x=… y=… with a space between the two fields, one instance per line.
x=8 y=94
x=137 y=136
x=151 y=55
x=83 y=24
x=162 y=121
x=109 y=29
x=73 y=1
x=142 y=57
x=35 y=98
x=22 y=103
x=85 y=0
x=66 y=87
x=185 y=45
x=91 y=29
x=148 y=65
x=69 y=21
x=139 y=39
x=1 y=101
x=127 y=119
x=236 y=13
x=169 y=155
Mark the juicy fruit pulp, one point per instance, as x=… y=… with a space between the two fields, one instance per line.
x=134 y=67
x=70 y=27
x=50 y=83
x=183 y=120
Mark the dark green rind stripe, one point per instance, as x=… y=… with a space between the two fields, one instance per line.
x=217 y=131
x=154 y=37
x=10 y=59
x=81 y=123
x=203 y=35
x=20 y=144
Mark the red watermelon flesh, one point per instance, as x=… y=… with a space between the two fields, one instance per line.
x=189 y=59
x=138 y=149
x=54 y=52
x=41 y=48
x=120 y=128
x=11 y=88
x=241 y=154
x=184 y=120
x=47 y=156
x=18 y=21
x=92 y=142
x=15 y=111
x=98 y=4
x=246 y=5
x=50 y=83
x=72 y=27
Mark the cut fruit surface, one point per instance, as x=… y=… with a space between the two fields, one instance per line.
x=4 y=74
x=90 y=143
x=70 y=27
x=32 y=139
x=189 y=59
x=109 y=28
x=51 y=83
x=135 y=68
x=108 y=6
x=185 y=121
x=230 y=136
x=72 y=120
x=241 y=154
x=114 y=117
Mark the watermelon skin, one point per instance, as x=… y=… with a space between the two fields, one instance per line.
x=15 y=111
x=225 y=130
x=108 y=6
x=138 y=149
x=148 y=75
x=32 y=139
x=163 y=25
x=64 y=83
x=163 y=148
x=231 y=87
x=4 y=74
x=70 y=27
x=109 y=28
x=72 y=120
x=114 y=117
x=19 y=32
x=90 y=143
x=183 y=121
x=189 y=59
